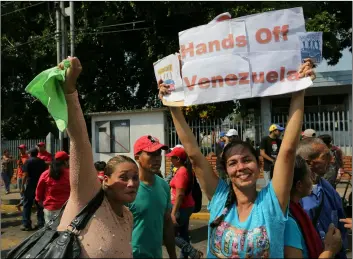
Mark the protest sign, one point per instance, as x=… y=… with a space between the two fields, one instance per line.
x=311 y=45
x=251 y=56
x=168 y=69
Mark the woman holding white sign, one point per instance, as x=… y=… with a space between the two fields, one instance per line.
x=243 y=222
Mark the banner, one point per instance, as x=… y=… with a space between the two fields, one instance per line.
x=251 y=56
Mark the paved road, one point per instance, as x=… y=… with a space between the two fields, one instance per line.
x=11 y=235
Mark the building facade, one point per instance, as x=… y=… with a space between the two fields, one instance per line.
x=328 y=108
x=114 y=133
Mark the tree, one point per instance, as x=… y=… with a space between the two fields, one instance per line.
x=117 y=43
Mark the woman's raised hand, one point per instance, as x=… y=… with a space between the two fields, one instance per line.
x=72 y=74
x=306 y=69
x=163 y=89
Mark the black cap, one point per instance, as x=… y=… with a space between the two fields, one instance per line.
x=33 y=152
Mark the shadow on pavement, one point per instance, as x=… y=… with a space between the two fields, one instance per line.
x=12 y=223
x=199 y=234
x=10 y=215
x=4 y=253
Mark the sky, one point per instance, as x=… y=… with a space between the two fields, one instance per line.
x=345 y=63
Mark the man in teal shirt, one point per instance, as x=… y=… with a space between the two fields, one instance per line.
x=152 y=206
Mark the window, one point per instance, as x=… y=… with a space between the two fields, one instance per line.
x=113 y=136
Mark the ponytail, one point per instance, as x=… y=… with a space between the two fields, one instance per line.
x=231 y=199
x=188 y=166
x=56 y=169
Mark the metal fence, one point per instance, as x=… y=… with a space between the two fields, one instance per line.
x=335 y=123
x=207 y=132
x=11 y=145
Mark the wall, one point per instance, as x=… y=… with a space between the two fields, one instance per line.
x=141 y=123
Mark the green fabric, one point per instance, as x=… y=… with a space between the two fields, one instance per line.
x=47 y=87
x=148 y=210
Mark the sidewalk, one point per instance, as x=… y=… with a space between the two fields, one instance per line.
x=11 y=235
x=13 y=198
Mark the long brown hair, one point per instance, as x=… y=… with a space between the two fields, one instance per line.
x=231 y=197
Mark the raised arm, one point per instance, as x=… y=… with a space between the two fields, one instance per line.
x=202 y=167
x=284 y=166
x=83 y=177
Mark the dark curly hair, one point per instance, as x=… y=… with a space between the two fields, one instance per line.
x=231 y=198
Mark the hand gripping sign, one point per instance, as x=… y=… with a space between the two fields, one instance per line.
x=252 y=56
x=168 y=69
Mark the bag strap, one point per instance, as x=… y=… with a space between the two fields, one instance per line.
x=55 y=221
x=82 y=218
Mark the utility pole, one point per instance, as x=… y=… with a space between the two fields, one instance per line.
x=63 y=56
x=64 y=31
x=72 y=29
x=58 y=33
x=61 y=26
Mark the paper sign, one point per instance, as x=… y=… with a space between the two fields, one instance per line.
x=311 y=46
x=251 y=56
x=168 y=69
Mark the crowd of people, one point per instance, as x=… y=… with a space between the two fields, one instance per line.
x=297 y=214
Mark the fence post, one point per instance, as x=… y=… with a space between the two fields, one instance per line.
x=50 y=141
x=266 y=119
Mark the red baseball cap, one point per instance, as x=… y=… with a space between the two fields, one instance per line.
x=148 y=144
x=61 y=155
x=178 y=152
x=40 y=144
x=22 y=146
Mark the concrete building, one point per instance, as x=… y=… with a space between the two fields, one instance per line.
x=328 y=108
x=114 y=133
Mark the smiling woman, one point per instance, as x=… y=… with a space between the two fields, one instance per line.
x=243 y=222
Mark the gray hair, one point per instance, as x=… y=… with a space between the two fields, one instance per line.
x=310 y=148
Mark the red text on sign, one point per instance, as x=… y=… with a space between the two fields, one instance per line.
x=264 y=35
x=242 y=78
x=215 y=45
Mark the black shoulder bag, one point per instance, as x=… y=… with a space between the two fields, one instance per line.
x=50 y=243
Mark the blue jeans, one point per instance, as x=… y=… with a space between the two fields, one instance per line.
x=182 y=239
x=7 y=180
x=28 y=199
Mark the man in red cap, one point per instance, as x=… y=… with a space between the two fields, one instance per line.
x=152 y=206
x=22 y=158
x=43 y=153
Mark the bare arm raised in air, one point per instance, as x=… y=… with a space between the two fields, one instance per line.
x=202 y=167
x=83 y=177
x=284 y=166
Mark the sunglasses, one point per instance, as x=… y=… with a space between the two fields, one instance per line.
x=151 y=139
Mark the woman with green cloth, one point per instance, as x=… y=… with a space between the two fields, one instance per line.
x=108 y=233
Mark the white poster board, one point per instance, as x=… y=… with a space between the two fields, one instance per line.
x=168 y=69
x=252 y=56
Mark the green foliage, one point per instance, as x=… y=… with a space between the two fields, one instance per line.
x=117 y=60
